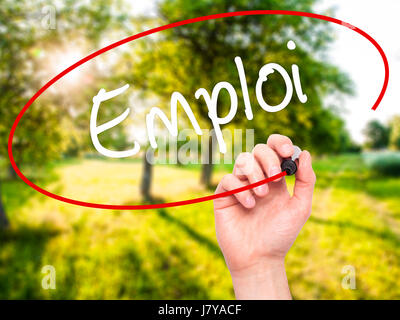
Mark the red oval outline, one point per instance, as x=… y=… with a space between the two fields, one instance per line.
x=158 y=29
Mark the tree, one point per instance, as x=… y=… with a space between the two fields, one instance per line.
x=377 y=135
x=21 y=37
x=146 y=178
x=201 y=54
x=394 y=140
x=4 y=223
x=15 y=38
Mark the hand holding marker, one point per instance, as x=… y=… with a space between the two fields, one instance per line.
x=256 y=228
x=289 y=164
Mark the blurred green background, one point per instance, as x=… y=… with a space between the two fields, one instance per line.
x=172 y=253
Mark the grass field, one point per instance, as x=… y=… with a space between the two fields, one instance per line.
x=173 y=253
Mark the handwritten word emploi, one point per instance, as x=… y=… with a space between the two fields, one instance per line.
x=210 y=100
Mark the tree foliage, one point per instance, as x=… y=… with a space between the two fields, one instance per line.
x=22 y=36
x=394 y=140
x=377 y=135
x=43 y=134
x=201 y=54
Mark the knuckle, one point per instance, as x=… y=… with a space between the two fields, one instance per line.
x=313 y=178
x=259 y=148
x=227 y=179
x=224 y=183
x=270 y=154
x=243 y=158
x=244 y=164
x=275 y=137
x=272 y=137
x=246 y=170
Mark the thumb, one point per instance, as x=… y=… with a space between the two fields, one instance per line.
x=304 y=184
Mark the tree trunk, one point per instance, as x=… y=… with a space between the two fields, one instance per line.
x=13 y=175
x=207 y=167
x=4 y=223
x=146 y=177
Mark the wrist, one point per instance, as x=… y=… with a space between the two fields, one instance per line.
x=265 y=279
x=258 y=268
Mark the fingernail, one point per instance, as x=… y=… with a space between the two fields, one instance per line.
x=250 y=201
x=287 y=149
x=274 y=170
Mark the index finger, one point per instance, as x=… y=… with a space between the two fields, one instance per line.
x=282 y=145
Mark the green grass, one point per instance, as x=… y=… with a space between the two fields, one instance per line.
x=173 y=253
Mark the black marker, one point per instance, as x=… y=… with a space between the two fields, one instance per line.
x=289 y=164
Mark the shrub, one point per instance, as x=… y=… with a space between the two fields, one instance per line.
x=386 y=162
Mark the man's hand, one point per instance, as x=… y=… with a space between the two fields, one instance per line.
x=256 y=228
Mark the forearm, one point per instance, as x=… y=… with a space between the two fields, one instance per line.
x=265 y=281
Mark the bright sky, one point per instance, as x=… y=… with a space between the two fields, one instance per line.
x=362 y=62
x=359 y=58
